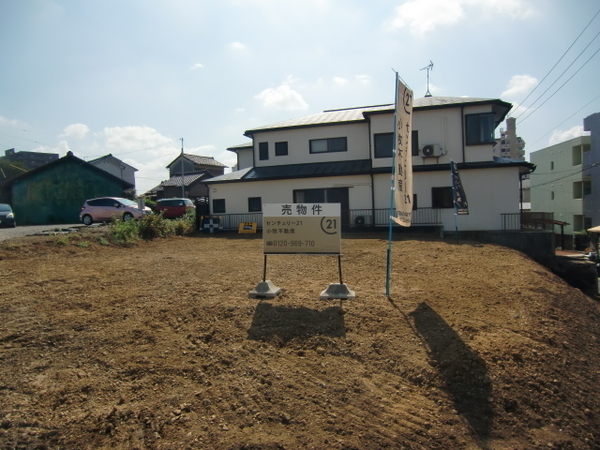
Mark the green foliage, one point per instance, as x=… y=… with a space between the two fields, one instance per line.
x=151 y=227
x=63 y=241
x=150 y=203
x=125 y=232
x=10 y=169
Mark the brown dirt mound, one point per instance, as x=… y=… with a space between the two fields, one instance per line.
x=158 y=346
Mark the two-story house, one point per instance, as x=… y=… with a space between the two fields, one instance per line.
x=187 y=174
x=116 y=167
x=345 y=156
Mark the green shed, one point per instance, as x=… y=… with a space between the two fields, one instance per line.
x=55 y=192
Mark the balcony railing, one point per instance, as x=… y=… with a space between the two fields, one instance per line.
x=350 y=218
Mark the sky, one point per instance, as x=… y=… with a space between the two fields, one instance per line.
x=135 y=77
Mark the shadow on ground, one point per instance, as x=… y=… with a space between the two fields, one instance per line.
x=463 y=372
x=281 y=324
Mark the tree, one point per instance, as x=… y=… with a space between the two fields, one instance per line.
x=10 y=169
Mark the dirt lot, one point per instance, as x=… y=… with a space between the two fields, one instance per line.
x=157 y=346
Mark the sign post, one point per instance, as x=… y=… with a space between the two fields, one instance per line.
x=302 y=229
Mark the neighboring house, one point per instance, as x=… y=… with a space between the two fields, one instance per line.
x=116 y=167
x=591 y=161
x=55 y=192
x=560 y=183
x=31 y=160
x=188 y=173
x=345 y=156
x=509 y=145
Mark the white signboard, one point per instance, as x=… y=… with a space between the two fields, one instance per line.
x=302 y=228
x=403 y=183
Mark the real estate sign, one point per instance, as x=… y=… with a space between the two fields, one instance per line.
x=302 y=228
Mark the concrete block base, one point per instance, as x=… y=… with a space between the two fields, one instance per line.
x=337 y=290
x=264 y=289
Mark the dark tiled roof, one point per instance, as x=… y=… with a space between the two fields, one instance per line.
x=187 y=179
x=325 y=169
x=204 y=160
x=198 y=159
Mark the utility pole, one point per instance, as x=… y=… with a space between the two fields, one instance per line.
x=182 y=178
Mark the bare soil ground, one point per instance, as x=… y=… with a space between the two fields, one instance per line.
x=157 y=346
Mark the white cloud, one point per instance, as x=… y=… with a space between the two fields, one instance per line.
x=519 y=86
x=197 y=66
x=364 y=79
x=340 y=81
x=421 y=16
x=133 y=138
x=282 y=98
x=76 y=130
x=558 y=136
x=238 y=46
x=11 y=122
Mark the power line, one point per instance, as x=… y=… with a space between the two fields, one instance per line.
x=562 y=85
x=559 y=77
x=561 y=58
x=556 y=126
x=567 y=176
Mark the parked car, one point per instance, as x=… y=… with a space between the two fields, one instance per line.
x=174 y=207
x=7 y=217
x=109 y=208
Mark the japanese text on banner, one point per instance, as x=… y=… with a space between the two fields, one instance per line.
x=403 y=185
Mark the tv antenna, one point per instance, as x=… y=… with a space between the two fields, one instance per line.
x=428 y=68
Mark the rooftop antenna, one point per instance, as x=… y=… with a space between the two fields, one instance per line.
x=428 y=68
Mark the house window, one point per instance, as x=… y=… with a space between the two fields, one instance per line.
x=415 y=207
x=281 y=148
x=551 y=195
x=254 y=204
x=263 y=150
x=551 y=165
x=441 y=197
x=578 y=223
x=577 y=155
x=219 y=206
x=384 y=145
x=577 y=189
x=415 y=142
x=328 y=145
x=480 y=129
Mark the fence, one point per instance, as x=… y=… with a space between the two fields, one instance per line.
x=350 y=218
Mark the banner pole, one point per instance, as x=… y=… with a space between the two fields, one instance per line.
x=392 y=187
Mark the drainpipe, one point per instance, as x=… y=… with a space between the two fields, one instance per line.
x=462 y=119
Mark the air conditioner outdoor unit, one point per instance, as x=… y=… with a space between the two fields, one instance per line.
x=432 y=150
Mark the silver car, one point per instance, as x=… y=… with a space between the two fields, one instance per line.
x=104 y=209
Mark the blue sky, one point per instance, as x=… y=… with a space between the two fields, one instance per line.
x=132 y=77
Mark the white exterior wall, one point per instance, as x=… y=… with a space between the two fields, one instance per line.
x=554 y=176
x=441 y=127
x=127 y=174
x=481 y=189
x=298 y=140
x=281 y=191
x=244 y=158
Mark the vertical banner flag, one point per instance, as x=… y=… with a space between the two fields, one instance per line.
x=402 y=170
x=461 y=206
